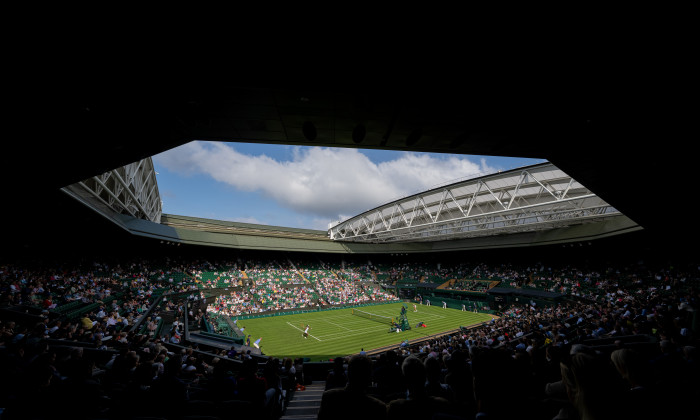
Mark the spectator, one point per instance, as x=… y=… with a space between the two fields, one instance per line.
x=592 y=387
x=388 y=376
x=458 y=377
x=222 y=384
x=417 y=404
x=353 y=402
x=495 y=382
x=288 y=367
x=640 y=401
x=434 y=386
x=169 y=386
x=337 y=377
x=252 y=387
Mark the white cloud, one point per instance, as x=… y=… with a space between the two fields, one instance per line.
x=324 y=182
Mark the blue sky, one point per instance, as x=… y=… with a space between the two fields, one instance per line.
x=302 y=186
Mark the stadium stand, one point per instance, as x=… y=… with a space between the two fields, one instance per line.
x=634 y=325
x=618 y=341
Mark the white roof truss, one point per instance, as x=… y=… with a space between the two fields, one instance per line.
x=533 y=198
x=131 y=189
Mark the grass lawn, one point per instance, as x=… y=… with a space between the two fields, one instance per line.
x=339 y=333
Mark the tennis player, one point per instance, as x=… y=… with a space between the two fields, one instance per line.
x=306 y=331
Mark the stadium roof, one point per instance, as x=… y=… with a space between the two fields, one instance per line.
x=529 y=206
x=534 y=198
x=627 y=145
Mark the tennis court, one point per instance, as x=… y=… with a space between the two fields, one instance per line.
x=339 y=333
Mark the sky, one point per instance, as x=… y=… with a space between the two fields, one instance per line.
x=302 y=186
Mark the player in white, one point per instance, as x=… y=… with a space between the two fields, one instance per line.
x=306 y=331
x=415 y=308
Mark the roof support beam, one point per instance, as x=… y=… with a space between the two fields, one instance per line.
x=540 y=197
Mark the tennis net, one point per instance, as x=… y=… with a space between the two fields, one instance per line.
x=373 y=317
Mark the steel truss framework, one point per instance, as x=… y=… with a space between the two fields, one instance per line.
x=131 y=189
x=533 y=198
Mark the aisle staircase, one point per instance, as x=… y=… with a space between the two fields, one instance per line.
x=447 y=284
x=305 y=404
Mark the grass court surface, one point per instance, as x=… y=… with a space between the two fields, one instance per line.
x=337 y=332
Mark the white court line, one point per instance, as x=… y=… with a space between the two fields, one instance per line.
x=352 y=333
x=348 y=319
x=337 y=325
x=291 y=325
x=355 y=332
x=430 y=317
x=423 y=315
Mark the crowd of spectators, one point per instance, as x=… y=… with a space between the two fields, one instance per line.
x=442 y=272
x=50 y=286
x=281 y=276
x=469 y=285
x=625 y=358
x=334 y=291
x=273 y=286
x=626 y=351
x=233 y=304
x=146 y=376
x=622 y=345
